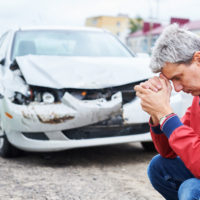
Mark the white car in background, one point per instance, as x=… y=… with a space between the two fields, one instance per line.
x=69 y=88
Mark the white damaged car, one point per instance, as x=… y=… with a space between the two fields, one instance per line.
x=69 y=88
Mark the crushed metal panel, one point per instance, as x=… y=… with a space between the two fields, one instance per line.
x=71 y=113
x=48 y=113
x=93 y=111
x=55 y=119
x=12 y=82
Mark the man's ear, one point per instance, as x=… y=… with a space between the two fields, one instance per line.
x=196 y=57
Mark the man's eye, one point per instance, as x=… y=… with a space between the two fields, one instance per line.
x=176 y=78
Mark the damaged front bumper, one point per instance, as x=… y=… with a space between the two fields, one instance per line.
x=70 y=113
x=52 y=127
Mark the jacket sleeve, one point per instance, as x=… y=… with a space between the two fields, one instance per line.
x=186 y=143
x=181 y=137
x=184 y=137
x=160 y=140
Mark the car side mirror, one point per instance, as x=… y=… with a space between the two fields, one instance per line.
x=2 y=61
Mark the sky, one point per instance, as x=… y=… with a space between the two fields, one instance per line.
x=14 y=13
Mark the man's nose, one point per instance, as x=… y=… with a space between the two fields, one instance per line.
x=177 y=86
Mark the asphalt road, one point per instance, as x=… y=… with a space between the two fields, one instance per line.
x=102 y=173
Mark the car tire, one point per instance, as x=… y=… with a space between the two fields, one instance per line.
x=148 y=146
x=7 y=150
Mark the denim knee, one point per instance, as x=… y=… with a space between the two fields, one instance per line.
x=154 y=167
x=189 y=190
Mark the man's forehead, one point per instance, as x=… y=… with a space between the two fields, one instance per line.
x=170 y=70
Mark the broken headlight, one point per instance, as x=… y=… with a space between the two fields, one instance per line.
x=36 y=96
x=47 y=97
x=21 y=98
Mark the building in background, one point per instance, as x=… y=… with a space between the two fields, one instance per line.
x=194 y=26
x=119 y=25
x=142 y=41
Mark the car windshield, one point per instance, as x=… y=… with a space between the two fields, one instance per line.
x=68 y=43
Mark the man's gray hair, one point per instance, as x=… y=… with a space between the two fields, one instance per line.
x=175 y=45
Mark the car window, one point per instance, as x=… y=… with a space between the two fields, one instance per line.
x=68 y=43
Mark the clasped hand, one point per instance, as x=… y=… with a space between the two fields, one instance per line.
x=155 y=97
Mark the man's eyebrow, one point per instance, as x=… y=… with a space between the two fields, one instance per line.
x=175 y=76
x=171 y=77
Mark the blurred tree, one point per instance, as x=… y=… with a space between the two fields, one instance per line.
x=136 y=24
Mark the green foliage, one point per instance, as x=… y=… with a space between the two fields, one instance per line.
x=135 y=24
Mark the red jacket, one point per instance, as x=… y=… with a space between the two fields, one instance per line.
x=181 y=138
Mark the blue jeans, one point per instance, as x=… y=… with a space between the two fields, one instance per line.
x=172 y=179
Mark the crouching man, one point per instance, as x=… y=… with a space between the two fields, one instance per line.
x=175 y=172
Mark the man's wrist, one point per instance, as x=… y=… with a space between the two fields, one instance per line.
x=154 y=120
x=164 y=113
x=162 y=119
x=171 y=123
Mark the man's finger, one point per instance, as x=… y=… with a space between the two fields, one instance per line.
x=155 y=84
x=165 y=81
x=149 y=85
x=152 y=84
x=142 y=90
x=138 y=94
x=145 y=85
x=164 y=78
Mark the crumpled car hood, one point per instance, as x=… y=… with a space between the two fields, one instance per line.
x=82 y=72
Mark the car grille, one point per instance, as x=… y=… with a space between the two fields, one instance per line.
x=35 y=135
x=100 y=131
x=95 y=131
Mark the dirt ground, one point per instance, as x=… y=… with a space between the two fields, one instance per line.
x=101 y=173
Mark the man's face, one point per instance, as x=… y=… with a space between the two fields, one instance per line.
x=185 y=78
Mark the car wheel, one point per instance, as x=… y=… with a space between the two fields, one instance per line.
x=148 y=146
x=7 y=150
